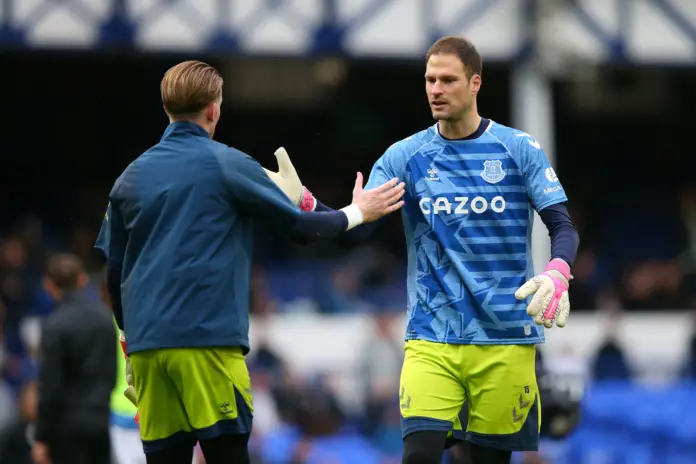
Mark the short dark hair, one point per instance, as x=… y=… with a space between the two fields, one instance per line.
x=189 y=87
x=463 y=48
x=64 y=270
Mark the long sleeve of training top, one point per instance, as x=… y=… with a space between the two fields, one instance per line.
x=564 y=236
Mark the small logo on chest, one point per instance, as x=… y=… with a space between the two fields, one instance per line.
x=493 y=171
x=432 y=174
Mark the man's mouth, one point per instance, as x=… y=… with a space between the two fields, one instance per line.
x=438 y=104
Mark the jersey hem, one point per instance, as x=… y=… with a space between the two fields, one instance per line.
x=207 y=343
x=502 y=341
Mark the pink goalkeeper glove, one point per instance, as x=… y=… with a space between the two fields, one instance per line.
x=550 y=303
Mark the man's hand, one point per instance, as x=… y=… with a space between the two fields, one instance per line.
x=379 y=201
x=289 y=182
x=550 y=303
x=40 y=453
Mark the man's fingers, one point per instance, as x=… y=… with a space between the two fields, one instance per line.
x=285 y=167
x=540 y=301
x=548 y=323
x=528 y=289
x=394 y=207
x=358 y=182
x=385 y=186
x=394 y=194
x=539 y=319
x=563 y=310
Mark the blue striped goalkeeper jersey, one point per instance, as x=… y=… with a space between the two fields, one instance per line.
x=468 y=222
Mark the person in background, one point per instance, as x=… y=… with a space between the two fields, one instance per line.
x=77 y=372
x=381 y=365
x=16 y=438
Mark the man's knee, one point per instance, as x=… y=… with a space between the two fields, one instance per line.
x=425 y=447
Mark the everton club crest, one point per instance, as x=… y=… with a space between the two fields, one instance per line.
x=493 y=171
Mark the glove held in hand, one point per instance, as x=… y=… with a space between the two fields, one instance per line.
x=550 y=303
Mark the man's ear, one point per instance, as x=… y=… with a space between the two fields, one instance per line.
x=210 y=112
x=475 y=83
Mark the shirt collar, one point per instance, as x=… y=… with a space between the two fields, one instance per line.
x=482 y=128
x=184 y=128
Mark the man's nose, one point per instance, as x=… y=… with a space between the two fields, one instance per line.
x=436 y=88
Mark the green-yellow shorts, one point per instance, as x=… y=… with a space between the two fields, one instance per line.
x=498 y=381
x=189 y=394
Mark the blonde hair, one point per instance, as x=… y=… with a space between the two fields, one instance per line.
x=189 y=87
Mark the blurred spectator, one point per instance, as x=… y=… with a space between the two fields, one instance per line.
x=77 y=373
x=610 y=362
x=561 y=381
x=261 y=302
x=585 y=285
x=688 y=370
x=30 y=232
x=342 y=295
x=267 y=372
x=82 y=246
x=16 y=439
x=688 y=217
x=655 y=284
x=319 y=435
x=15 y=295
x=381 y=361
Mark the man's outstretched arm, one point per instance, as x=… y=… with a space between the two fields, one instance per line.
x=352 y=236
x=387 y=168
x=257 y=194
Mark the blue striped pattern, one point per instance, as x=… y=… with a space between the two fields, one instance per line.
x=470 y=257
x=467 y=219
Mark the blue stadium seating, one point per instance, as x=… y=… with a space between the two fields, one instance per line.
x=623 y=423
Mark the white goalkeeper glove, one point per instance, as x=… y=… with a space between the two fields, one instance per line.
x=550 y=303
x=289 y=182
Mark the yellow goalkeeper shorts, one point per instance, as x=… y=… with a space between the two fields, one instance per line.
x=498 y=381
x=189 y=394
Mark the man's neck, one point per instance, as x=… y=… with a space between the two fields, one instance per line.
x=462 y=128
x=198 y=122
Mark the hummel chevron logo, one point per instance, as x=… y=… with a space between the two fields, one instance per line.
x=404 y=404
x=522 y=404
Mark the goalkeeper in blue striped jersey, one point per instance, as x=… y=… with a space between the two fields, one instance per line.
x=475 y=309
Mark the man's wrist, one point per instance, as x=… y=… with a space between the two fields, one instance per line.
x=559 y=265
x=354 y=215
x=307 y=201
